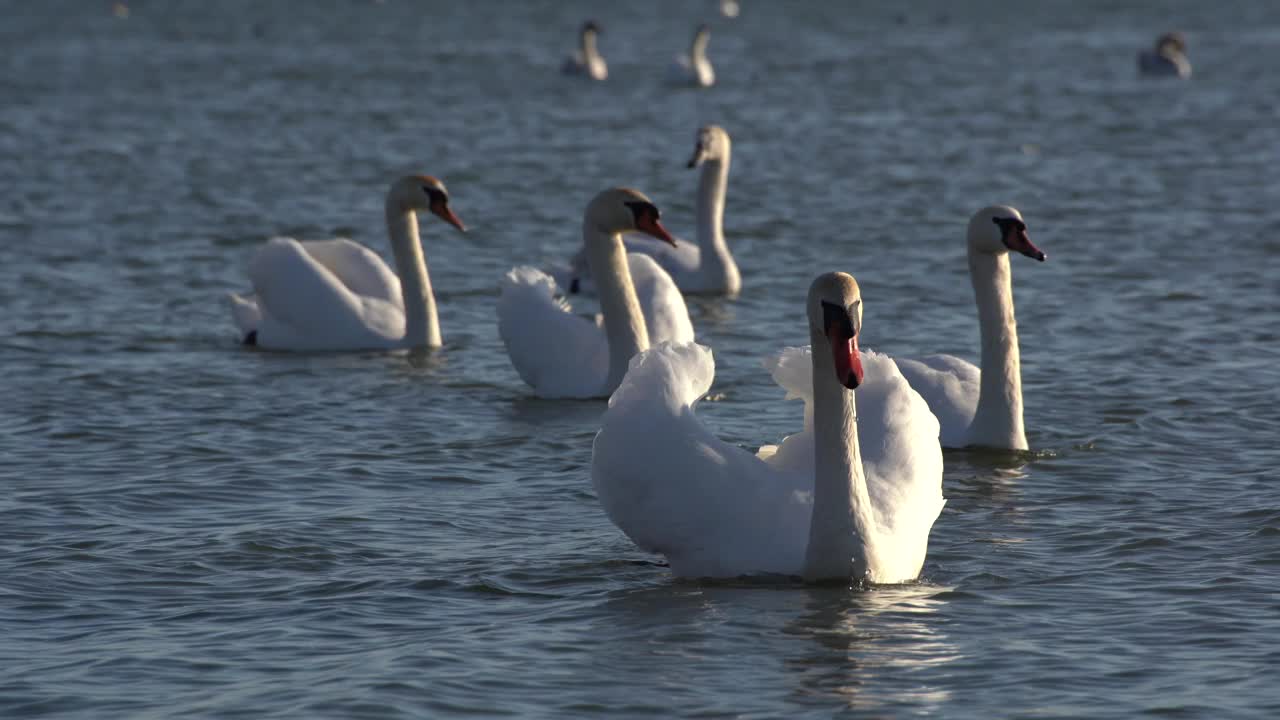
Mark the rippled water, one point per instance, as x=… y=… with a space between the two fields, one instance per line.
x=193 y=529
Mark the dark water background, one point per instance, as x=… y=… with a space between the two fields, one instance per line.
x=191 y=529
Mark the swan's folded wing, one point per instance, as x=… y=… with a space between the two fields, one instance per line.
x=301 y=294
x=673 y=487
x=950 y=386
x=557 y=353
x=665 y=314
x=792 y=370
x=359 y=268
x=901 y=457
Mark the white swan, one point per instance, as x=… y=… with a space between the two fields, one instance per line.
x=586 y=61
x=560 y=354
x=1167 y=59
x=694 y=68
x=852 y=496
x=705 y=268
x=338 y=294
x=983 y=407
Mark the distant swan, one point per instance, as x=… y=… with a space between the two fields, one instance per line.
x=852 y=496
x=338 y=294
x=983 y=407
x=706 y=267
x=694 y=68
x=560 y=354
x=586 y=61
x=1167 y=59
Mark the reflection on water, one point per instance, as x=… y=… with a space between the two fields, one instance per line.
x=871 y=648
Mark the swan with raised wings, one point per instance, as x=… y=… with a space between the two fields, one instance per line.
x=693 y=68
x=853 y=496
x=983 y=407
x=339 y=295
x=706 y=267
x=587 y=61
x=560 y=354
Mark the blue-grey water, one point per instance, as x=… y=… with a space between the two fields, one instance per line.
x=192 y=529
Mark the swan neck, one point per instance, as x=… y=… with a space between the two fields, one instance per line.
x=589 y=46
x=713 y=252
x=624 y=324
x=698 y=48
x=421 y=326
x=842 y=522
x=998 y=419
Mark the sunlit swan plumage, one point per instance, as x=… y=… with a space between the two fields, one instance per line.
x=706 y=267
x=852 y=496
x=983 y=407
x=1167 y=59
x=586 y=61
x=338 y=294
x=560 y=354
x=693 y=68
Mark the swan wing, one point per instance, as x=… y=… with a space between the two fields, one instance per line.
x=359 y=268
x=713 y=509
x=304 y=306
x=557 y=353
x=665 y=314
x=950 y=386
x=902 y=462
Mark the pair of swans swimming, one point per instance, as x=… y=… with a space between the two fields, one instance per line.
x=691 y=68
x=855 y=494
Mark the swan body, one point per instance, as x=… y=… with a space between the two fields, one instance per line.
x=586 y=61
x=1167 y=59
x=339 y=295
x=983 y=407
x=693 y=68
x=560 y=354
x=707 y=267
x=854 y=495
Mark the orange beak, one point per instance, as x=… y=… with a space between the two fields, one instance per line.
x=442 y=211
x=650 y=226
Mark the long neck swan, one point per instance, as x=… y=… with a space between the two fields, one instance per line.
x=703 y=268
x=1167 y=59
x=587 y=61
x=694 y=68
x=983 y=408
x=852 y=496
x=338 y=294
x=560 y=354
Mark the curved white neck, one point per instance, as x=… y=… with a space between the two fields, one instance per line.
x=421 y=326
x=714 y=259
x=698 y=49
x=589 y=51
x=623 y=321
x=998 y=420
x=842 y=524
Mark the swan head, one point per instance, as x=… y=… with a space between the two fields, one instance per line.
x=999 y=229
x=835 y=313
x=712 y=143
x=621 y=210
x=590 y=27
x=423 y=192
x=1171 y=42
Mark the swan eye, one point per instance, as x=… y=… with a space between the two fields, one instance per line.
x=834 y=316
x=640 y=210
x=1007 y=224
x=435 y=195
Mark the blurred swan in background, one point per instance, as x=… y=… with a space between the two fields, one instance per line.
x=338 y=294
x=586 y=61
x=1167 y=59
x=694 y=68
